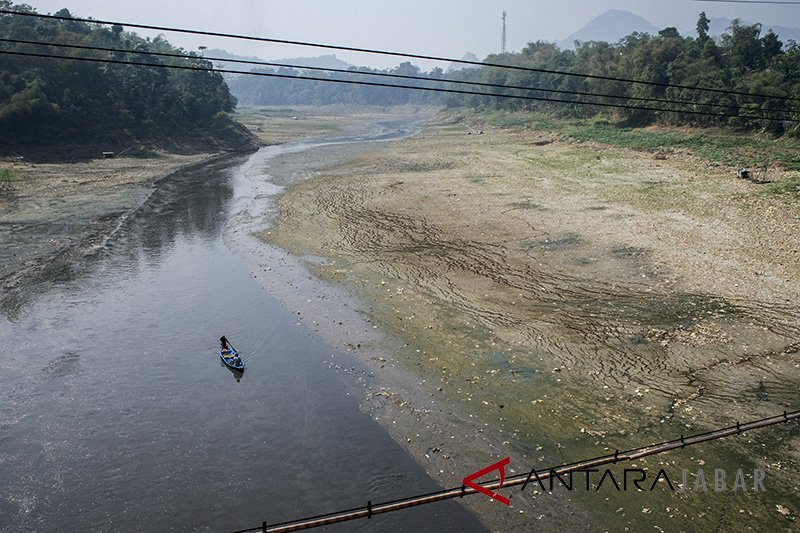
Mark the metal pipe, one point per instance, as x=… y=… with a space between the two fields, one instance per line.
x=521 y=479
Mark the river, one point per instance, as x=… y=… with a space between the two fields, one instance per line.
x=116 y=413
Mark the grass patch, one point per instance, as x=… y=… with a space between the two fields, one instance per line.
x=8 y=177
x=790 y=188
x=733 y=149
x=745 y=149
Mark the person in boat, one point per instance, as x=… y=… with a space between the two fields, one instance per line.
x=223 y=343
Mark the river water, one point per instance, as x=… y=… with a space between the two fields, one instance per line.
x=115 y=411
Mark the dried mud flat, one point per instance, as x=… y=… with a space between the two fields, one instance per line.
x=552 y=301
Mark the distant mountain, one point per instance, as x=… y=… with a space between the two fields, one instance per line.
x=615 y=24
x=325 y=61
x=610 y=27
x=469 y=56
x=224 y=54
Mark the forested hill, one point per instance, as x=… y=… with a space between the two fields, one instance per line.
x=76 y=106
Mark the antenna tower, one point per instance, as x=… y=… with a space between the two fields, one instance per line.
x=503 y=40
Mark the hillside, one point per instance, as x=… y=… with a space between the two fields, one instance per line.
x=744 y=79
x=266 y=90
x=58 y=107
x=718 y=26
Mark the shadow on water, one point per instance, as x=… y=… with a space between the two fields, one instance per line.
x=190 y=204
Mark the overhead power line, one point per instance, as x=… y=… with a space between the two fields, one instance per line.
x=398 y=86
x=387 y=53
x=387 y=75
x=522 y=479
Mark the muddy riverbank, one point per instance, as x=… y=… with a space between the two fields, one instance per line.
x=550 y=301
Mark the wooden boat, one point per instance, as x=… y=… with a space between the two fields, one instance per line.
x=231 y=359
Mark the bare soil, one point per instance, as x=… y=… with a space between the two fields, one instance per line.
x=553 y=300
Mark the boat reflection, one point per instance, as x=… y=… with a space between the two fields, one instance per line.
x=237 y=374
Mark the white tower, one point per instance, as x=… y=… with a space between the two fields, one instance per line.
x=503 y=40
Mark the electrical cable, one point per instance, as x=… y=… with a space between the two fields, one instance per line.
x=387 y=53
x=397 y=86
x=385 y=74
x=749 y=2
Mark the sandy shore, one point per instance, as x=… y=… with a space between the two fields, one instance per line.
x=550 y=301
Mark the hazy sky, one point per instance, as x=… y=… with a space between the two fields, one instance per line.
x=447 y=28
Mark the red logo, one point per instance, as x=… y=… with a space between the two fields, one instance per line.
x=469 y=481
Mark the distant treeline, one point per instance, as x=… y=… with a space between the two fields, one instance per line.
x=258 y=90
x=56 y=101
x=741 y=60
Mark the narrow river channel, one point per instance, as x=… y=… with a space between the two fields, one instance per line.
x=116 y=414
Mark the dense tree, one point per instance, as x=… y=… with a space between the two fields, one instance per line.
x=702 y=28
x=742 y=60
x=44 y=100
x=266 y=90
x=743 y=46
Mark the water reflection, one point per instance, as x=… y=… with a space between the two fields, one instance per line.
x=237 y=374
x=187 y=205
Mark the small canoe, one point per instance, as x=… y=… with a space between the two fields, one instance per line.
x=231 y=359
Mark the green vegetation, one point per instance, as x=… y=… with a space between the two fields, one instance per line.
x=54 y=101
x=790 y=188
x=741 y=60
x=750 y=149
x=46 y=101
x=717 y=145
x=7 y=177
x=254 y=90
